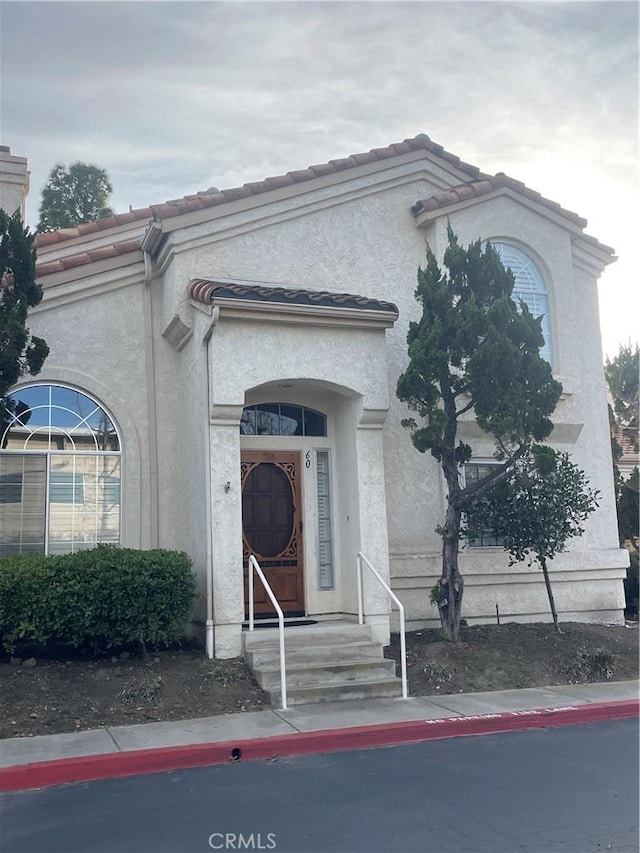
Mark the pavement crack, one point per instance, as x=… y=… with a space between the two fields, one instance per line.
x=115 y=742
x=276 y=711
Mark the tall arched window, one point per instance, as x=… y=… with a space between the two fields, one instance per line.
x=59 y=472
x=529 y=288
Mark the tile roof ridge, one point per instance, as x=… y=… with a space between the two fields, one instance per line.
x=214 y=197
x=487 y=184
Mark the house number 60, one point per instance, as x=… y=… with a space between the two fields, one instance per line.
x=307 y=459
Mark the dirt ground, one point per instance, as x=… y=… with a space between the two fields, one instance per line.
x=507 y=657
x=43 y=696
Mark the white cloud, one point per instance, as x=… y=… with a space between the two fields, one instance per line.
x=173 y=97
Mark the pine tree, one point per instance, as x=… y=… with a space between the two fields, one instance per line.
x=74 y=195
x=20 y=352
x=472 y=349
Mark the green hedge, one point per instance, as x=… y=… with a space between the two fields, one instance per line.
x=104 y=597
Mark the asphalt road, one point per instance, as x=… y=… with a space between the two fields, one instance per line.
x=572 y=789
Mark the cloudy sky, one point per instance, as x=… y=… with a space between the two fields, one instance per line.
x=174 y=97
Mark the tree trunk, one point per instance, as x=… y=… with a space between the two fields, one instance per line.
x=451 y=582
x=545 y=572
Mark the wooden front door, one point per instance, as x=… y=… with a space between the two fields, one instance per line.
x=272 y=528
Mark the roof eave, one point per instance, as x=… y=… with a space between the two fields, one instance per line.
x=591 y=256
x=426 y=217
x=51 y=274
x=315 y=315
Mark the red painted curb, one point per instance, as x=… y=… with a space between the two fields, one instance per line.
x=132 y=763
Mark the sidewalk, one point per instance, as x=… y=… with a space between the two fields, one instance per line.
x=152 y=747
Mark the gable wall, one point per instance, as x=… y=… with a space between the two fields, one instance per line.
x=97 y=345
x=368 y=244
x=361 y=238
x=578 y=359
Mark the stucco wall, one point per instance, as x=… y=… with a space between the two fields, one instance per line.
x=96 y=346
x=369 y=245
x=248 y=361
x=358 y=237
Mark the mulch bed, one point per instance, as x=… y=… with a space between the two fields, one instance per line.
x=42 y=695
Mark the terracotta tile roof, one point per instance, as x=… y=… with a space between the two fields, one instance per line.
x=479 y=184
x=50 y=238
x=204 y=291
x=474 y=189
x=628 y=443
x=71 y=261
x=202 y=200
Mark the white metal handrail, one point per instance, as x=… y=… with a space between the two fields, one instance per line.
x=255 y=566
x=403 y=643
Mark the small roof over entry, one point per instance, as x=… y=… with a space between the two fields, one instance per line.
x=297 y=304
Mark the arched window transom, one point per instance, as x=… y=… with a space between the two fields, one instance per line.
x=284 y=419
x=51 y=417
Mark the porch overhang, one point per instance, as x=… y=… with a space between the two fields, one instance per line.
x=271 y=303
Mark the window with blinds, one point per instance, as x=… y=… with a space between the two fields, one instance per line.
x=60 y=469
x=530 y=288
x=325 y=539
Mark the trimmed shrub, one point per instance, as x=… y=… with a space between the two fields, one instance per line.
x=104 y=597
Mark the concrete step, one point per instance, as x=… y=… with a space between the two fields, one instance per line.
x=380 y=688
x=326 y=674
x=269 y=657
x=326 y=662
x=324 y=633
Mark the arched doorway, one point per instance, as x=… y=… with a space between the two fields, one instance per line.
x=272 y=507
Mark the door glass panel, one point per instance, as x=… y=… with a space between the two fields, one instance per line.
x=267 y=510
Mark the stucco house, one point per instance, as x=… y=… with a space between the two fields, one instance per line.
x=222 y=380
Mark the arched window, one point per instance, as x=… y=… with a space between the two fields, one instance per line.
x=59 y=472
x=529 y=288
x=282 y=419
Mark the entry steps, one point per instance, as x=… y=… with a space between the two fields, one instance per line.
x=324 y=663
